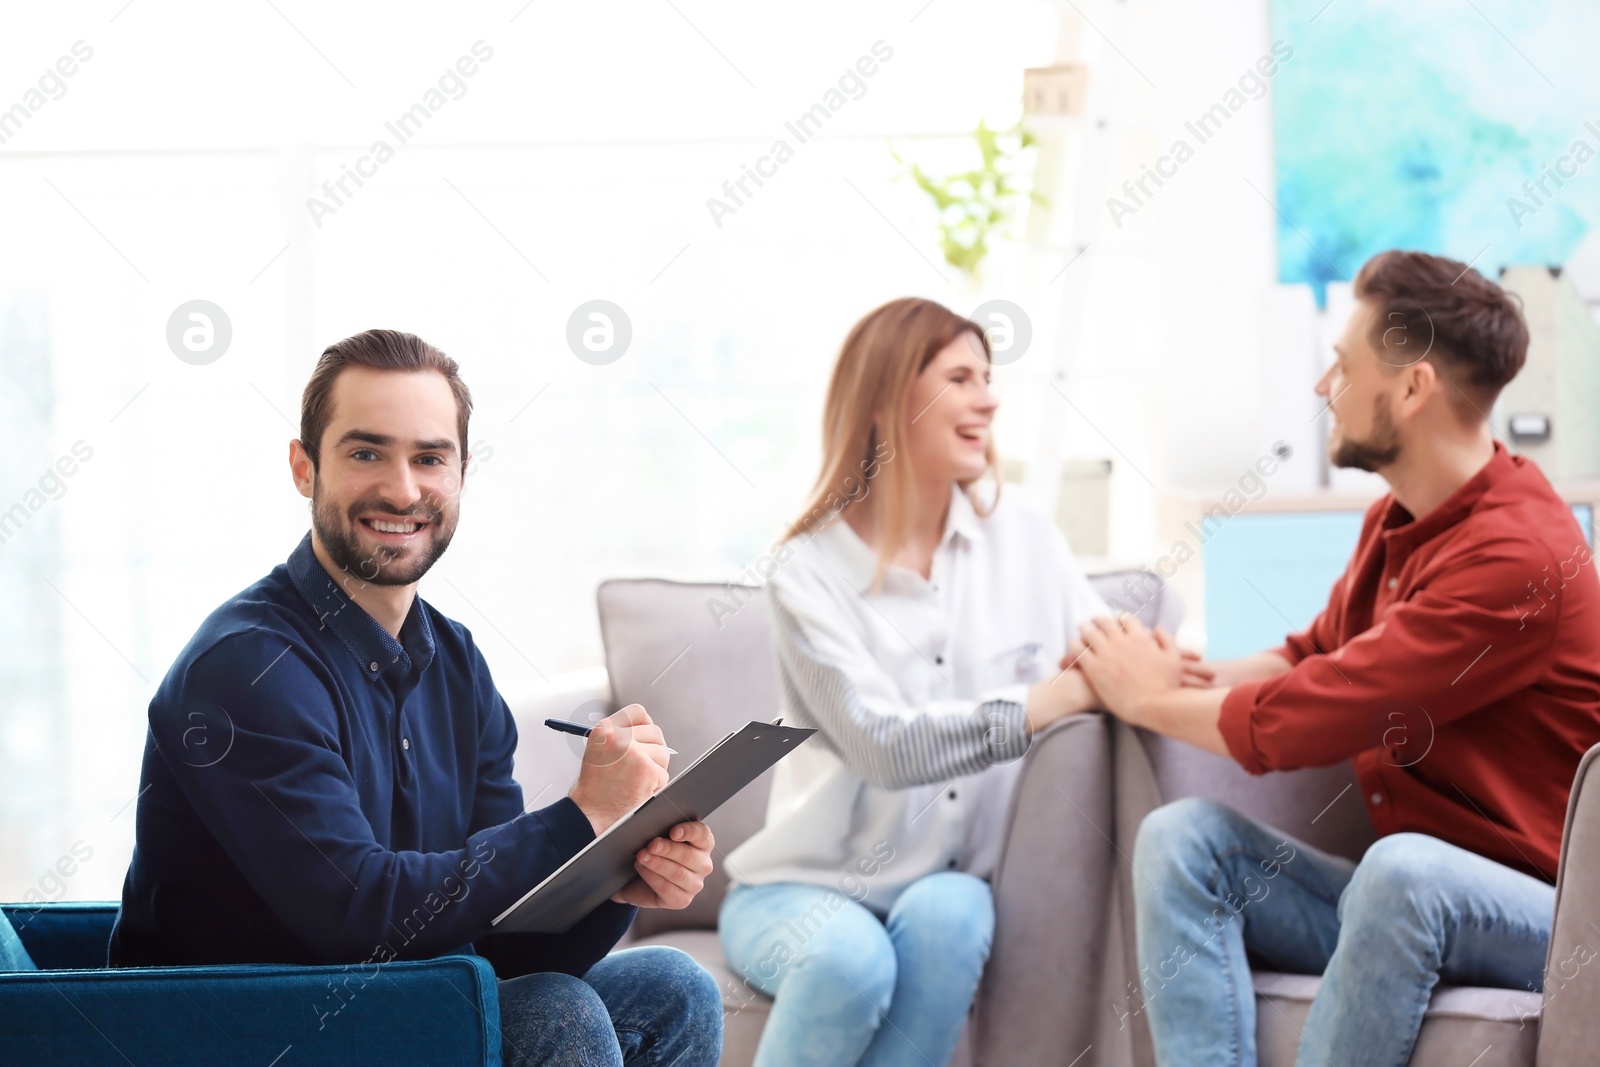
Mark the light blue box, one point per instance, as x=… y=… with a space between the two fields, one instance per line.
x=1267 y=575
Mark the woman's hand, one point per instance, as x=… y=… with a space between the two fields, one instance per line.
x=1196 y=673
x=1068 y=693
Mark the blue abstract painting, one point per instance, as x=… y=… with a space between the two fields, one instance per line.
x=1465 y=128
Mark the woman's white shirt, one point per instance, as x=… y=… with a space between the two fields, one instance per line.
x=918 y=694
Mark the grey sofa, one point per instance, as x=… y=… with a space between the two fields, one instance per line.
x=700 y=675
x=1056 y=989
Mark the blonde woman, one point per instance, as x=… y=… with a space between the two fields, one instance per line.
x=918 y=619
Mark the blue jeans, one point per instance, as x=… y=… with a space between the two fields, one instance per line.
x=1210 y=884
x=850 y=988
x=652 y=1005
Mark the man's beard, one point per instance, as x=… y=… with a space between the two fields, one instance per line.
x=381 y=566
x=1382 y=449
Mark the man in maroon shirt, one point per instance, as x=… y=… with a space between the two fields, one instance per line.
x=1457 y=665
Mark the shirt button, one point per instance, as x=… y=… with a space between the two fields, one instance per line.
x=405 y=742
x=1394 y=583
x=951 y=865
x=952 y=794
x=1377 y=798
x=372 y=666
x=939 y=660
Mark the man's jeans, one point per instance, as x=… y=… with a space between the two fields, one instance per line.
x=1210 y=883
x=854 y=989
x=643 y=1006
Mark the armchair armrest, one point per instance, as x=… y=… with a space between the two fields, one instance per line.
x=439 y=1011
x=61 y=934
x=1569 y=1027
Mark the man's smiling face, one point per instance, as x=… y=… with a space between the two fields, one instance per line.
x=387 y=492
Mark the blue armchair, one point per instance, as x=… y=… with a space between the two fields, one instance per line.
x=74 y=1010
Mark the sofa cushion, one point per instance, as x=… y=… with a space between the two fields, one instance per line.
x=1481 y=1027
x=698 y=656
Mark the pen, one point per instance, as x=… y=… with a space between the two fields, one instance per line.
x=581 y=730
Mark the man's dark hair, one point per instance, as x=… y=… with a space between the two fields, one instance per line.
x=1469 y=327
x=381 y=350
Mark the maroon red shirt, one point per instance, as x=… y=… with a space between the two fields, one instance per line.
x=1457 y=665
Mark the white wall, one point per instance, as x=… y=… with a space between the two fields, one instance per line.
x=1189 y=360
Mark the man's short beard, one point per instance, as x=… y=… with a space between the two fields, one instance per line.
x=1371 y=455
x=338 y=535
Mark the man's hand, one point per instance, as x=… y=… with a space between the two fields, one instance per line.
x=1197 y=674
x=624 y=763
x=1127 y=664
x=1233 y=672
x=672 y=869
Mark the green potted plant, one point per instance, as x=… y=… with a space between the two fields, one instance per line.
x=978 y=205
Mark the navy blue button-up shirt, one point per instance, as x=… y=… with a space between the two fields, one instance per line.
x=315 y=791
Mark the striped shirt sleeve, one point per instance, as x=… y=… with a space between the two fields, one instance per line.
x=830 y=679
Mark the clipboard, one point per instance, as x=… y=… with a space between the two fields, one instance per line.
x=605 y=865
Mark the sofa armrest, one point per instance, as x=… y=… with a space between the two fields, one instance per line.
x=1569 y=1026
x=1040 y=1000
x=443 y=1011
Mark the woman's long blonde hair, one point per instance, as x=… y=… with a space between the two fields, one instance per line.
x=864 y=422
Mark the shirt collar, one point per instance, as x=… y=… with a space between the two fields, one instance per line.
x=962 y=518
x=1402 y=531
x=862 y=562
x=375 y=649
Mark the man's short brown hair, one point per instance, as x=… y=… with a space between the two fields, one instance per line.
x=381 y=350
x=1441 y=309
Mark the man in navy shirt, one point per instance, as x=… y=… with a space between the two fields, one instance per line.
x=327 y=777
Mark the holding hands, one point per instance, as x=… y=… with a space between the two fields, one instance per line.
x=1126 y=664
